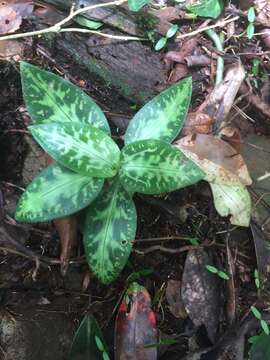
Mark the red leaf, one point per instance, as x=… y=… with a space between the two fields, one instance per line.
x=135 y=327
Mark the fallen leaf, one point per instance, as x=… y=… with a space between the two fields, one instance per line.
x=201 y=292
x=173 y=296
x=262 y=11
x=232 y=136
x=135 y=326
x=234 y=201
x=197 y=122
x=11 y=49
x=221 y=99
x=221 y=163
x=67 y=229
x=11 y=16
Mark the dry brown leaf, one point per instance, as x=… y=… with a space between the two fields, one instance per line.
x=11 y=15
x=11 y=49
x=67 y=229
x=173 y=296
x=10 y=20
x=232 y=136
x=221 y=163
x=220 y=101
x=198 y=122
x=263 y=11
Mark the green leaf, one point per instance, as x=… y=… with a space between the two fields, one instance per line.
x=260 y=349
x=56 y=192
x=109 y=230
x=251 y=14
x=256 y=312
x=223 y=275
x=136 y=5
x=207 y=8
x=80 y=147
x=50 y=98
x=163 y=117
x=233 y=200
x=88 y=342
x=155 y=167
x=161 y=43
x=265 y=327
x=250 y=31
x=212 y=269
x=90 y=24
x=172 y=31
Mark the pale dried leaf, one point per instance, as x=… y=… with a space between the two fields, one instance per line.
x=221 y=163
x=234 y=201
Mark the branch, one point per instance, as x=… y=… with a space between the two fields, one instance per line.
x=58 y=26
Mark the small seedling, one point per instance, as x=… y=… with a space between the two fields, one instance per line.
x=90 y=167
x=163 y=41
x=251 y=19
x=257 y=278
x=258 y=316
x=219 y=273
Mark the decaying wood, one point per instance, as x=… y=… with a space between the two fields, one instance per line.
x=131 y=68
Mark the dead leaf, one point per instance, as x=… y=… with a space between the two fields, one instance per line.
x=67 y=229
x=11 y=16
x=234 y=201
x=201 y=292
x=221 y=163
x=48 y=14
x=197 y=122
x=10 y=21
x=232 y=136
x=221 y=99
x=263 y=11
x=173 y=296
x=11 y=49
x=135 y=326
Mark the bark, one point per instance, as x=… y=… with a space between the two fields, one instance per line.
x=131 y=68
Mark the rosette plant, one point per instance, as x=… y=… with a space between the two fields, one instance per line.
x=90 y=170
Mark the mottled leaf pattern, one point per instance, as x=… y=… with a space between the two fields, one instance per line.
x=50 y=98
x=88 y=342
x=56 y=192
x=154 y=167
x=80 y=147
x=109 y=230
x=163 y=117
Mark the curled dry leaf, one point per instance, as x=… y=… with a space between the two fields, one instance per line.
x=199 y=123
x=232 y=136
x=67 y=229
x=201 y=292
x=221 y=163
x=234 y=201
x=135 y=326
x=173 y=296
x=221 y=99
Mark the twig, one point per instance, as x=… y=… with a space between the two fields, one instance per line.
x=169 y=250
x=58 y=26
x=117 y=37
x=218 y=41
x=218 y=24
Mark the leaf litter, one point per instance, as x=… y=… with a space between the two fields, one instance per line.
x=235 y=165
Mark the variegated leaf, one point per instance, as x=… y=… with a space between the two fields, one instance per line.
x=50 y=98
x=109 y=230
x=163 y=117
x=80 y=147
x=155 y=167
x=56 y=192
